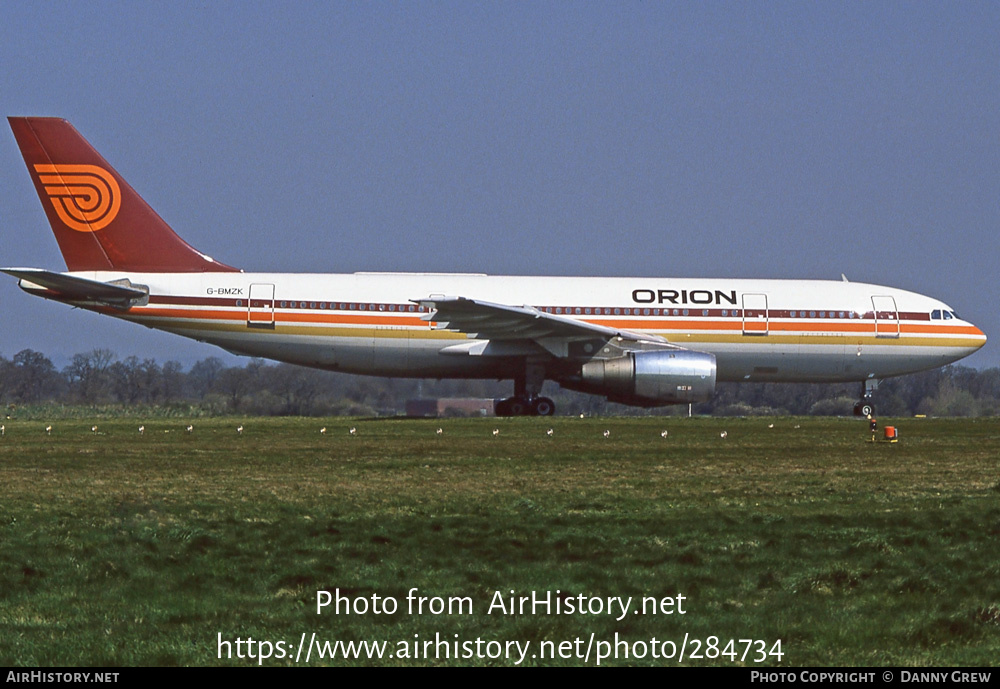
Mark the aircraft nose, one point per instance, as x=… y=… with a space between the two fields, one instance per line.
x=975 y=338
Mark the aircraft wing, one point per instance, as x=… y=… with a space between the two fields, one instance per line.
x=498 y=322
x=76 y=289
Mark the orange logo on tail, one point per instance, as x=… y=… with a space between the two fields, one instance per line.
x=85 y=197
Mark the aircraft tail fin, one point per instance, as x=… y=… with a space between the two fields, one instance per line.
x=100 y=222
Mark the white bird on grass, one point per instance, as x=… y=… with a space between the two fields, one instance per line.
x=142 y=429
x=440 y=431
x=322 y=431
x=549 y=432
x=607 y=434
x=190 y=428
x=496 y=432
x=724 y=434
x=93 y=429
x=353 y=430
x=48 y=430
x=664 y=434
x=239 y=429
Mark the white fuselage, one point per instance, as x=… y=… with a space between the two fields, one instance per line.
x=369 y=323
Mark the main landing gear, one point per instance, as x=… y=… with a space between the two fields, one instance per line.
x=526 y=400
x=865 y=406
x=524 y=406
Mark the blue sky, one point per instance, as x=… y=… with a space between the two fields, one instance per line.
x=762 y=140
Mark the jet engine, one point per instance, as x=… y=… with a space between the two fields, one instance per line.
x=650 y=378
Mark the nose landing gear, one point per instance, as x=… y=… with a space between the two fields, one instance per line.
x=866 y=406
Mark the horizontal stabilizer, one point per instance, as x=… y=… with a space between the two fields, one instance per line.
x=64 y=287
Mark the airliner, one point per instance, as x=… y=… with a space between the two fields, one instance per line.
x=638 y=341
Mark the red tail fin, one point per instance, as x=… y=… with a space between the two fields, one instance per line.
x=100 y=222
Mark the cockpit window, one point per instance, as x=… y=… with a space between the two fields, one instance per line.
x=941 y=314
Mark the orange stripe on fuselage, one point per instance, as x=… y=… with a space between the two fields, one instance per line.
x=854 y=327
x=279 y=317
x=662 y=326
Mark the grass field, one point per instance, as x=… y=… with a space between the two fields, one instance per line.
x=124 y=549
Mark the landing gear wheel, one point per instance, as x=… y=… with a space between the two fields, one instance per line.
x=519 y=407
x=543 y=406
x=864 y=409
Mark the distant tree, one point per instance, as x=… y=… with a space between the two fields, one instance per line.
x=203 y=376
x=239 y=383
x=296 y=386
x=173 y=378
x=260 y=387
x=89 y=375
x=6 y=378
x=151 y=381
x=33 y=377
x=126 y=380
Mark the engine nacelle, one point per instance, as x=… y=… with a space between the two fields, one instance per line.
x=652 y=378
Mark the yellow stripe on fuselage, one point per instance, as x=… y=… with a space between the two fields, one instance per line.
x=684 y=332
